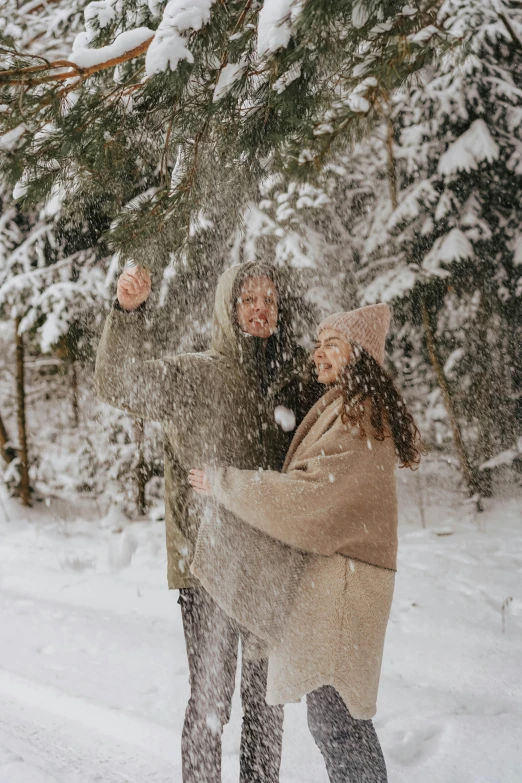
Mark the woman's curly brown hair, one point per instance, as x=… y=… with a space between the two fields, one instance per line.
x=365 y=379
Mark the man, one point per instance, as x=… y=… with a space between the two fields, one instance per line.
x=216 y=407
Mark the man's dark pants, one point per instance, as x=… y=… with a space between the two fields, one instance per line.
x=212 y=641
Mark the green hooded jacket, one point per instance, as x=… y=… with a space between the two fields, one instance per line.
x=217 y=407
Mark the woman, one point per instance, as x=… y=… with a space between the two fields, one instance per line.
x=335 y=499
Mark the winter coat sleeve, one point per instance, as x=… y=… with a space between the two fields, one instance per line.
x=145 y=388
x=316 y=506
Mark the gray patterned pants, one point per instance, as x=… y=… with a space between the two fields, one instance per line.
x=212 y=641
x=350 y=747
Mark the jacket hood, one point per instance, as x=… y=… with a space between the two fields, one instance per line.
x=225 y=332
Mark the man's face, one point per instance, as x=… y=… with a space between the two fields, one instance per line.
x=256 y=307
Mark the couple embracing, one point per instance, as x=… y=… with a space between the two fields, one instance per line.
x=281 y=514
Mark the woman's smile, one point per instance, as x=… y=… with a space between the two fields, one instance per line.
x=331 y=355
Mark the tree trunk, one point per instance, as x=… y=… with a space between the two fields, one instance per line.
x=8 y=452
x=74 y=389
x=392 y=170
x=482 y=401
x=142 y=472
x=504 y=383
x=467 y=471
x=23 y=454
x=420 y=497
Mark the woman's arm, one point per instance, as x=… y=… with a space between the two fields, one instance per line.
x=312 y=507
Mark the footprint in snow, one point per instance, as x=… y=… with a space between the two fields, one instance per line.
x=7 y=756
x=13 y=769
x=412 y=746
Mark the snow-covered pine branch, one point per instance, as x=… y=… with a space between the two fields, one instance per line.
x=275 y=85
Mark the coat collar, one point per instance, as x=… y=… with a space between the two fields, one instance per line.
x=309 y=420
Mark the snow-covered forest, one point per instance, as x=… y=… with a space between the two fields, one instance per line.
x=372 y=149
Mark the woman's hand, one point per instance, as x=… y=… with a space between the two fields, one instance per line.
x=199 y=481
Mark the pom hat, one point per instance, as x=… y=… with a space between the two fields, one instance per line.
x=366 y=326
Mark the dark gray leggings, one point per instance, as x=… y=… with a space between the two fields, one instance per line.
x=350 y=747
x=212 y=641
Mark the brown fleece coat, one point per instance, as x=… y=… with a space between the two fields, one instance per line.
x=336 y=493
x=336 y=499
x=212 y=405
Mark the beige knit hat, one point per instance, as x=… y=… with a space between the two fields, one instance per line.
x=366 y=326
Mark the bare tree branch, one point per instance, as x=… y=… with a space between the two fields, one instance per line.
x=21 y=73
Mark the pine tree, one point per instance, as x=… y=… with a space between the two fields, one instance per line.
x=51 y=263
x=161 y=106
x=450 y=248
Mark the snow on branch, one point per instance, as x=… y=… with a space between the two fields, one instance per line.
x=127 y=46
x=410 y=207
x=510 y=25
x=393 y=284
x=473 y=147
x=276 y=20
x=165 y=47
x=506 y=457
x=454 y=246
x=124 y=47
x=20 y=252
x=98 y=14
x=227 y=78
x=10 y=140
x=168 y=46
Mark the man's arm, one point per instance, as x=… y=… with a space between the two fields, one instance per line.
x=146 y=388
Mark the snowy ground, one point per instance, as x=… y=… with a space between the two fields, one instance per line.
x=93 y=675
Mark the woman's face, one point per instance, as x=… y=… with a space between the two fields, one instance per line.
x=331 y=354
x=256 y=308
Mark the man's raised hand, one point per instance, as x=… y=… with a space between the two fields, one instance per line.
x=133 y=287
